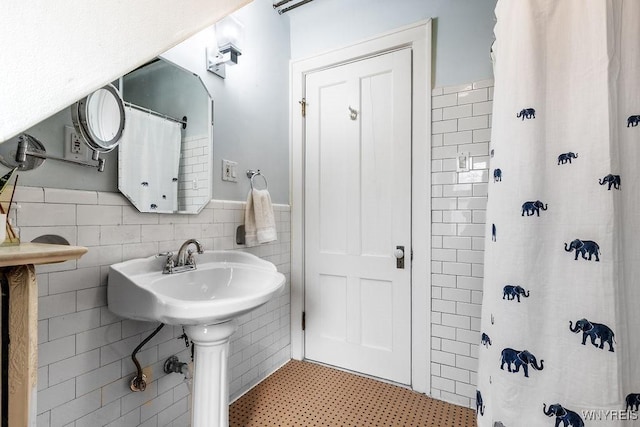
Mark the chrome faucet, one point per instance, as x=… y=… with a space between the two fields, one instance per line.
x=184 y=261
x=182 y=258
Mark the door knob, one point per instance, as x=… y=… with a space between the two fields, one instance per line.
x=399 y=254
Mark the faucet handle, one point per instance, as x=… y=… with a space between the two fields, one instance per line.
x=169 y=264
x=191 y=259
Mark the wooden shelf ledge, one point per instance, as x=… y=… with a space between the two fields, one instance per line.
x=38 y=253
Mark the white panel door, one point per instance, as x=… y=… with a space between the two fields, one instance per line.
x=357 y=211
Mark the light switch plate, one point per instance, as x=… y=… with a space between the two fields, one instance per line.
x=463 y=163
x=229 y=170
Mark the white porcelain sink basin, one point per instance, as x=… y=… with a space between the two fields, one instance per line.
x=225 y=285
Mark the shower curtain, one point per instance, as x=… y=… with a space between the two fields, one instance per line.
x=149 y=161
x=560 y=338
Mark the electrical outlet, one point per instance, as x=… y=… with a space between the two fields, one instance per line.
x=74 y=147
x=229 y=170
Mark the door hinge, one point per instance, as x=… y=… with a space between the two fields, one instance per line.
x=303 y=107
x=303 y=320
x=411 y=254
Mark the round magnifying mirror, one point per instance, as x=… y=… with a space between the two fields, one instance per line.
x=100 y=118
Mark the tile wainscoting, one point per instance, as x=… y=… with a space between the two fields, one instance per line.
x=461 y=124
x=84 y=355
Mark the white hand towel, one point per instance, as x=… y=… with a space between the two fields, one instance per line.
x=259 y=221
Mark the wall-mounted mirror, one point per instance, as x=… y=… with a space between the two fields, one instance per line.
x=99 y=118
x=165 y=159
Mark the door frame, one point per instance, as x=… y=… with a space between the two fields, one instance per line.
x=417 y=37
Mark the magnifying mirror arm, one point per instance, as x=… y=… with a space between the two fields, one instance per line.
x=23 y=151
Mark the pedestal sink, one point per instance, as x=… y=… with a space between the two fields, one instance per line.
x=207 y=302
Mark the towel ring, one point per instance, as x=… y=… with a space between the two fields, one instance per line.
x=251 y=174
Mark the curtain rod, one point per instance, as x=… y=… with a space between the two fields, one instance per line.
x=280 y=3
x=155 y=113
x=287 y=9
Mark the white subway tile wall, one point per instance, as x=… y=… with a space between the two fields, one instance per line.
x=461 y=124
x=84 y=355
x=193 y=179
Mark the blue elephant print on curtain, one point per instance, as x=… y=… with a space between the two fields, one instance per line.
x=515 y=359
x=633 y=121
x=568 y=418
x=612 y=180
x=593 y=331
x=498 y=424
x=485 y=340
x=566 y=157
x=532 y=208
x=527 y=113
x=497 y=175
x=511 y=292
x=479 y=405
x=584 y=247
x=633 y=401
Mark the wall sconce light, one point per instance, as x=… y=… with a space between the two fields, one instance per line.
x=229 y=33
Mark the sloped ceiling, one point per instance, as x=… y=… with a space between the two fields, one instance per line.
x=55 y=52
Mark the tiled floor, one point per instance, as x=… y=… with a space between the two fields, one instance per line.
x=307 y=394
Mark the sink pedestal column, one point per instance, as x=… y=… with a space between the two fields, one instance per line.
x=210 y=380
